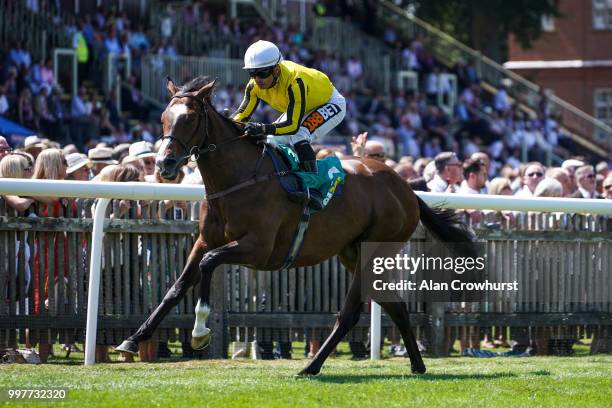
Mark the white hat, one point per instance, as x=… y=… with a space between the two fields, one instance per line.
x=101 y=155
x=76 y=161
x=571 y=163
x=262 y=54
x=142 y=149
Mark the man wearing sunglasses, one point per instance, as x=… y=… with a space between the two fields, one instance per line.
x=311 y=105
x=448 y=173
x=585 y=180
x=607 y=187
x=531 y=175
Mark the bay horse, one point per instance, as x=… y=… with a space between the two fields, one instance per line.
x=253 y=224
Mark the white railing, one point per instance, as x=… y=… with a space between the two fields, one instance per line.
x=114 y=64
x=71 y=54
x=447 y=97
x=104 y=192
x=157 y=191
x=407 y=81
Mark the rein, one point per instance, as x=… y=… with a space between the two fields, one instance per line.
x=249 y=182
x=196 y=151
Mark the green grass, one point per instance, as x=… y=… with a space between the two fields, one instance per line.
x=581 y=380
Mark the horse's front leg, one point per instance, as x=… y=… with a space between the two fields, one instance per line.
x=188 y=278
x=235 y=252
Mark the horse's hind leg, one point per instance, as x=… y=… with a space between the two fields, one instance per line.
x=398 y=313
x=188 y=278
x=347 y=318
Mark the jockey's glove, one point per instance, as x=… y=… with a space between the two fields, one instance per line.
x=258 y=131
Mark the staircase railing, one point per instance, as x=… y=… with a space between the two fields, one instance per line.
x=448 y=50
x=287 y=13
x=345 y=40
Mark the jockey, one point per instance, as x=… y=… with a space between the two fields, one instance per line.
x=311 y=105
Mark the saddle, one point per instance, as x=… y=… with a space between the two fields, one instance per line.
x=295 y=182
x=289 y=181
x=286 y=163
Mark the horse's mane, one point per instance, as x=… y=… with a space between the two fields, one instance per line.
x=196 y=84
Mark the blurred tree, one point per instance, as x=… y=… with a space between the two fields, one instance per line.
x=486 y=24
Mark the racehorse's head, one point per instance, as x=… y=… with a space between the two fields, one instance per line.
x=184 y=125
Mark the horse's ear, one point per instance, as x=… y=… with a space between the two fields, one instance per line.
x=172 y=89
x=206 y=90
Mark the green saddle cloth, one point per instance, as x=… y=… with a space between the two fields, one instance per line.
x=330 y=173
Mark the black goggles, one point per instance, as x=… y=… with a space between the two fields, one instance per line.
x=260 y=73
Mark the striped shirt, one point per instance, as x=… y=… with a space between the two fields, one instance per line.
x=298 y=90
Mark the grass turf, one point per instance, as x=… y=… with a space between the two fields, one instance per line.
x=581 y=380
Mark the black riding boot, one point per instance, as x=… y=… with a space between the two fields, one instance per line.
x=316 y=199
x=308 y=163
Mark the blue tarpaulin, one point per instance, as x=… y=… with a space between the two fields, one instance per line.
x=14 y=132
x=8 y=128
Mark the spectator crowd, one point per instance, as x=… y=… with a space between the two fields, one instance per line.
x=574 y=178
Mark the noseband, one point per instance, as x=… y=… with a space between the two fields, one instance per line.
x=196 y=151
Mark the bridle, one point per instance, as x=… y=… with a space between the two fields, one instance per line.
x=196 y=151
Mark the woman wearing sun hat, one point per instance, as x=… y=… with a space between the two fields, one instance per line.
x=78 y=167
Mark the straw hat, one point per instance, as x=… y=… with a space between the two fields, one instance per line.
x=101 y=155
x=76 y=161
x=142 y=150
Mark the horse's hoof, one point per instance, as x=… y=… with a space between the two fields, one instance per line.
x=418 y=369
x=306 y=373
x=128 y=347
x=201 y=342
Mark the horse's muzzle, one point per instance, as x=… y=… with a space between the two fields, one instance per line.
x=168 y=168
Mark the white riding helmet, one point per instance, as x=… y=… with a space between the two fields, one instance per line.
x=262 y=54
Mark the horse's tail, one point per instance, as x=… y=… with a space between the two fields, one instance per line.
x=447 y=226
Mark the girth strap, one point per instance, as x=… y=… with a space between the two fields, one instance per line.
x=298 y=239
x=253 y=180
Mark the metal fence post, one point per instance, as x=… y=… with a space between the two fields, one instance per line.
x=437 y=329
